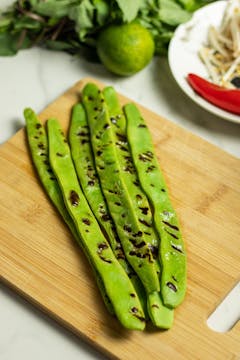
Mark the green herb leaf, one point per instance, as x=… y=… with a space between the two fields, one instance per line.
x=54 y=8
x=129 y=9
x=83 y=16
x=102 y=9
x=10 y=44
x=171 y=13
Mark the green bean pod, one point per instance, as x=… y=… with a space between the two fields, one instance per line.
x=119 y=288
x=38 y=144
x=160 y=315
x=172 y=251
x=81 y=150
x=130 y=227
x=80 y=143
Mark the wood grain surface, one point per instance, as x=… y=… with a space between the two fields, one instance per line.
x=39 y=258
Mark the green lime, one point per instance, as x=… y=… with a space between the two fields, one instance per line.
x=125 y=49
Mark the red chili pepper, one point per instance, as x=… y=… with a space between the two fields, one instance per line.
x=226 y=99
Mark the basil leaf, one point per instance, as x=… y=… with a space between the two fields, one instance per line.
x=129 y=9
x=54 y=8
x=11 y=43
x=172 y=13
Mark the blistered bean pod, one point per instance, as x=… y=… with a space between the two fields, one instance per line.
x=80 y=143
x=160 y=315
x=38 y=145
x=172 y=251
x=117 y=194
x=119 y=288
x=139 y=200
x=81 y=150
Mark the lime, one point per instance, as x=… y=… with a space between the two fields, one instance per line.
x=125 y=49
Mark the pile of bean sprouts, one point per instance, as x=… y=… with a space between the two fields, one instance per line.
x=221 y=54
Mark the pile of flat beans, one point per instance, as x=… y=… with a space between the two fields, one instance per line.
x=107 y=185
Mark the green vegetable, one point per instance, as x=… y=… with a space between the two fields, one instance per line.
x=81 y=150
x=119 y=288
x=69 y=24
x=79 y=139
x=160 y=315
x=129 y=226
x=38 y=144
x=172 y=251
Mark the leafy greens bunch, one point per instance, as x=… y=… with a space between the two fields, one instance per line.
x=74 y=25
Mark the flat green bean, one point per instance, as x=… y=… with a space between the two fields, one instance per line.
x=160 y=315
x=119 y=197
x=38 y=144
x=172 y=251
x=119 y=288
x=81 y=150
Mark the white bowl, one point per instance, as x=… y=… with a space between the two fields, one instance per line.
x=183 y=53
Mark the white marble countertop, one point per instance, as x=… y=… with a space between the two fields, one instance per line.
x=36 y=77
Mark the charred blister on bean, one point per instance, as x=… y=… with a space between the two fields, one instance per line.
x=136 y=183
x=150 y=168
x=106 y=126
x=127 y=228
x=117 y=203
x=41 y=146
x=170 y=225
x=146 y=156
x=121 y=256
x=74 y=198
x=102 y=246
x=144 y=222
x=105 y=260
x=121 y=137
x=171 y=234
x=138 y=234
x=171 y=286
x=91 y=183
x=144 y=210
x=177 y=248
x=86 y=221
x=154 y=250
x=137 y=244
x=83 y=133
x=105 y=217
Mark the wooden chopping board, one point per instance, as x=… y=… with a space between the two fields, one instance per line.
x=39 y=258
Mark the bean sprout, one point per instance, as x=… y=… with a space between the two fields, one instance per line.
x=221 y=54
